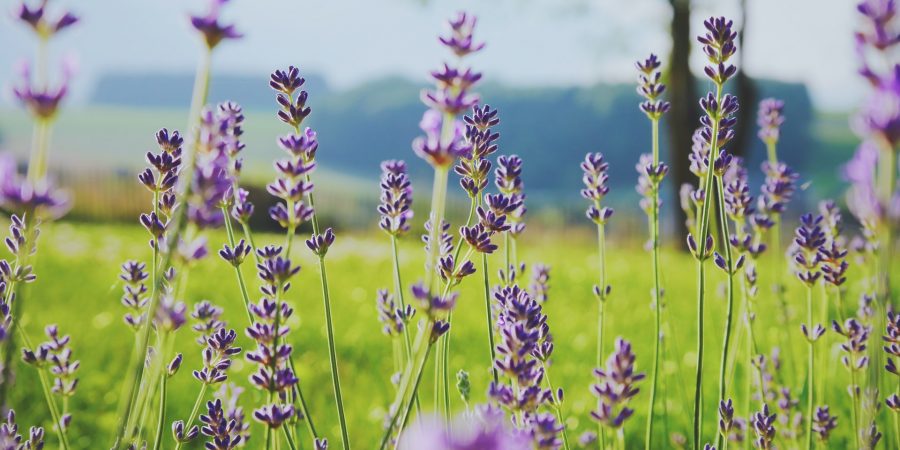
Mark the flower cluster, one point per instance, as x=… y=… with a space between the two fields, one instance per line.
x=540 y=282
x=444 y=134
x=11 y=439
x=207 y=320
x=651 y=87
x=616 y=386
x=160 y=179
x=28 y=199
x=763 y=425
x=272 y=354
x=770 y=118
x=595 y=180
x=134 y=293
x=55 y=355
x=396 y=198
x=474 y=167
x=293 y=182
x=520 y=320
x=223 y=431
x=823 y=423
x=217 y=357
x=805 y=252
x=508 y=178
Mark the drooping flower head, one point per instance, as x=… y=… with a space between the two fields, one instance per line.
x=211 y=27
x=396 y=198
x=651 y=87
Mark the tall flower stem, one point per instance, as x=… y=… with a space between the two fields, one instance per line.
x=810 y=371
x=161 y=418
x=772 y=154
x=557 y=406
x=48 y=396
x=701 y=273
x=398 y=288
x=194 y=411
x=136 y=372
x=489 y=314
x=729 y=315
x=245 y=296
x=332 y=355
x=422 y=347
x=601 y=318
x=657 y=299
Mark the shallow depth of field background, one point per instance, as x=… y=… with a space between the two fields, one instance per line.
x=560 y=74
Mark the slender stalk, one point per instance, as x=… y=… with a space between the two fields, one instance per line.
x=194 y=411
x=398 y=288
x=409 y=383
x=489 y=314
x=723 y=223
x=703 y=227
x=229 y=230
x=48 y=396
x=557 y=408
x=601 y=318
x=657 y=300
x=136 y=366
x=810 y=370
x=290 y=439
x=332 y=355
x=160 y=424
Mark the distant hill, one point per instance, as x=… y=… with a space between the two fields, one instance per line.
x=550 y=127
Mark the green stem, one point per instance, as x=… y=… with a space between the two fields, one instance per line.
x=229 y=229
x=332 y=355
x=290 y=439
x=136 y=372
x=489 y=314
x=409 y=383
x=701 y=272
x=37 y=165
x=723 y=224
x=558 y=406
x=194 y=411
x=601 y=318
x=657 y=300
x=48 y=397
x=160 y=424
x=810 y=370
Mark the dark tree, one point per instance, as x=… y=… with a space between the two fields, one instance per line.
x=683 y=96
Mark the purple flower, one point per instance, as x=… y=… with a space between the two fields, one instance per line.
x=223 y=432
x=465 y=433
x=763 y=425
x=229 y=394
x=726 y=417
x=442 y=144
x=390 y=315
x=719 y=47
x=616 y=386
x=41 y=101
x=823 y=423
x=540 y=282
x=396 y=198
x=134 y=295
x=11 y=439
x=651 y=87
x=508 y=178
x=857 y=337
x=211 y=27
x=170 y=314
x=39 y=22
x=880 y=115
x=207 y=320
x=433 y=305
x=770 y=118
x=805 y=252
x=320 y=243
x=460 y=41
x=649 y=178
x=474 y=167
x=55 y=355
x=292 y=103
x=235 y=256
x=779 y=187
x=217 y=357
x=724 y=111
x=181 y=435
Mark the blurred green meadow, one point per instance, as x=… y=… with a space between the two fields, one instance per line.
x=77 y=288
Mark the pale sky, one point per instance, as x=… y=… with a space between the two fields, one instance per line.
x=530 y=42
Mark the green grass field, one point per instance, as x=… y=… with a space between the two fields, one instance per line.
x=77 y=288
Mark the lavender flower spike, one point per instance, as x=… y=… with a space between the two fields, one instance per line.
x=617 y=385
x=770 y=118
x=396 y=198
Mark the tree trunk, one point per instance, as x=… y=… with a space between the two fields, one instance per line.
x=682 y=119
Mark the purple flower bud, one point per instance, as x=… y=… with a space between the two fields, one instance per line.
x=461 y=41
x=320 y=243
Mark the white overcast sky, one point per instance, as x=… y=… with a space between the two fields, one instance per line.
x=530 y=42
